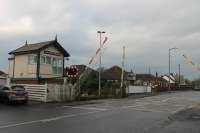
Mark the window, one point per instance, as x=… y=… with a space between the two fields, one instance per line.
x=32 y=59
x=57 y=66
x=43 y=59
x=59 y=63
x=48 y=60
x=54 y=66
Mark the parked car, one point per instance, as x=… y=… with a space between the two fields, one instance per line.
x=13 y=94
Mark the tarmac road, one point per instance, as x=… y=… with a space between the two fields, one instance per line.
x=155 y=114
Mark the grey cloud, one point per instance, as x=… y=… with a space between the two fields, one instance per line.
x=147 y=28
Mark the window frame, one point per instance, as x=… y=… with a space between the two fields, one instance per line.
x=57 y=66
x=48 y=57
x=32 y=59
x=45 y=59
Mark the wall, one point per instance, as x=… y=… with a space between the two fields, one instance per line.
x=138 y=89
x=23 y=69
x=57 y=92
x=10 y=68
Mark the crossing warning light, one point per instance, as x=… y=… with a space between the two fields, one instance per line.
x=72 y=71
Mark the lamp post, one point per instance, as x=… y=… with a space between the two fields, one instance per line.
x=170 y=49
x=100 y=43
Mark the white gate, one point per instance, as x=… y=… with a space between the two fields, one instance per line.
x=138 y=89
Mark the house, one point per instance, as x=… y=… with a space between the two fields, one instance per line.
x=34 y=63
x=170 y=78
x=3 y=78
x=145 y=79
x=179 y=79
x=150 y=80
x=131 y=77
x=113 y=74
x=87 y=70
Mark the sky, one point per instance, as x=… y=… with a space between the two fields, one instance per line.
x=147 y=28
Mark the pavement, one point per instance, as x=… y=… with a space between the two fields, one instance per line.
x=177 y=112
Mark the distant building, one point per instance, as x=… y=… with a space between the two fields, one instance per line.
x=131 y=77
x=149 y=80
x=113 y=74
x=180 y=79
x=3 y=78
x=33 y=63
x=145 y=79
x=170 y=78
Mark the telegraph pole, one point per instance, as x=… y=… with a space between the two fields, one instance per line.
x=179 y=74
x=122 y=74
x=100 y=54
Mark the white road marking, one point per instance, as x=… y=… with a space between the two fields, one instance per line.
x=48 y=119
x=171 y=98
x=149 y=110
x=183 y=108
x=178 y=110
x=134 y=106
x=87 y=108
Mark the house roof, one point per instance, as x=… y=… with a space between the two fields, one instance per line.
x=166 y=77
x=3 y=74
x=113 y=73
x=89 y=71
x=145 y=77
x=28 y=48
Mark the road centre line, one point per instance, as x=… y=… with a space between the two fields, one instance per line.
x=48 y=119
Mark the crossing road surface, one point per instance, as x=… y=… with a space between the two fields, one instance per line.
x=129 y=115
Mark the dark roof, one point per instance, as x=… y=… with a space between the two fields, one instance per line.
x=113 y=73
x=27 y=48
x=88 y=71
x=3 y=74
x=81 y=69
x=145 y=77
x=162 y=79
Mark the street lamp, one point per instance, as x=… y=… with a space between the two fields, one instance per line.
x=100 y=42
x=170 y=49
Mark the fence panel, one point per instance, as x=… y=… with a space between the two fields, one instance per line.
x=36 y=92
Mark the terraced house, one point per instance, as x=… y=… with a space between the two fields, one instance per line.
x=33 y=63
